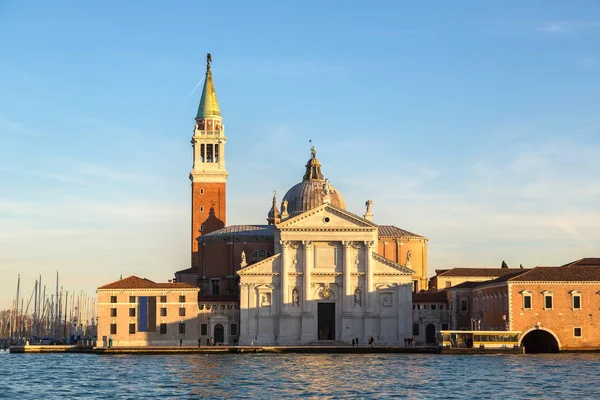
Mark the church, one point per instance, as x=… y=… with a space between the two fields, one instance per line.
x=314 y=272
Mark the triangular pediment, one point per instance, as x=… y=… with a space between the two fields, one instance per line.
x=268 y=266
x=383 y=266
x=327 y=216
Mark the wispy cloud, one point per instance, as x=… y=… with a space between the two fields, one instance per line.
x=563 y=27
x=18 y=128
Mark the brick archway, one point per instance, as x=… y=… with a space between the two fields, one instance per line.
x=542 y=335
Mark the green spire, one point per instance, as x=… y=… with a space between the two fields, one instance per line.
x=209 y=106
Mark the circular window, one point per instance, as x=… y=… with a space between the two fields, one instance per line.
x=326 y=220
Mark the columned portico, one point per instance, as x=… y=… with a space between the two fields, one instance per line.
x=334 y=288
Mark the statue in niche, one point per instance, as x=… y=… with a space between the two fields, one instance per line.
x=387 y=300
x=265 y=300
x=243 y=263
x=369 y=203
x=295 y=297
x=326 y=187
x=408 y=255
x=357 y=298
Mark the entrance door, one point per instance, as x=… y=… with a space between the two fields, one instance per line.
x=430 y=333
x=219 y=334
x=326 y=321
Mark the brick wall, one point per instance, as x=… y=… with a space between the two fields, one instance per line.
x=562 y=318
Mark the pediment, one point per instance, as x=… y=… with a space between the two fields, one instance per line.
x=327 y=216
x=383 y=266
x=268 y=267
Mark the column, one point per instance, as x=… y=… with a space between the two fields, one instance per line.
x=369 y=275
x=370 y=329
x=348 y=292
x=285 y=327
x=245 y=316
x=284 y=275
x=308 y=266
x=309 y=330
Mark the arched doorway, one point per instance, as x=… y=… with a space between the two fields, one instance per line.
x=219 y=334
x=430 y=333
x=539 y=341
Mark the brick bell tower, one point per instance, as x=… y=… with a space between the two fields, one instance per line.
x=208 y=174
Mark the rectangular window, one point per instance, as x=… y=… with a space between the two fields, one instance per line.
x=577 y=332
x=548 y=302
x=113 y=299
x=113 y=312
x=204 y=330
x=448 y=284
x=215 y=286
x=163 y=299
x=163 y=312
x=182 y=312
x=233 y=329
x=113 y=329
x=444 y=327
x=415 y=286
x=527 y=302
x=132 y=299
x=182 y=327
x=163 y=329
x=182 y=299
x=132 y=312
x=415 y=329
x=576 y=302
x=131 y=329
x=463 y=305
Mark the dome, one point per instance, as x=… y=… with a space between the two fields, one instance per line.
x=309 y=193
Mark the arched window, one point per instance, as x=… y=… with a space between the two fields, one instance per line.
x=259 y=255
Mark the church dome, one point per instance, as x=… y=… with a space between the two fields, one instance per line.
x=309 y=193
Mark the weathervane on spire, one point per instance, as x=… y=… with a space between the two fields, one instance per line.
x=208 y=60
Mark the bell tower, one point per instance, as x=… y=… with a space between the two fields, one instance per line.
x=208 y=174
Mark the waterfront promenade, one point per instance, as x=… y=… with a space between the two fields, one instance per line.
x=312 y=349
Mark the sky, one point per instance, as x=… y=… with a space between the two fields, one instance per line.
x=476 y=124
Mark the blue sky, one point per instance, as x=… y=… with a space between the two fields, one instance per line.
x=475 y=124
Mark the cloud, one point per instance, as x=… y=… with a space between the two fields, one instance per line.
x=19 y=128
x=563 y=27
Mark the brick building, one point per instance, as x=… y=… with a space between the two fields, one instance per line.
x=138 y=312
x=555 y=308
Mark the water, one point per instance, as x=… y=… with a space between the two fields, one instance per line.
x=415 y=376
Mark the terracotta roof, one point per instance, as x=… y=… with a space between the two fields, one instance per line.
x=429 y=297
x=561 y=274
x=479 y=272
x=134 y=282
x=467 y=285
x=584 y=261
x=394 y=232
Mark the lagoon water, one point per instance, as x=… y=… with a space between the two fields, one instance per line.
x=415 y=376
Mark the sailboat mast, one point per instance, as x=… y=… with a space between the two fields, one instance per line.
x=35 y=309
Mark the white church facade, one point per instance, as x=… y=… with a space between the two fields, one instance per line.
x=326 y=282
